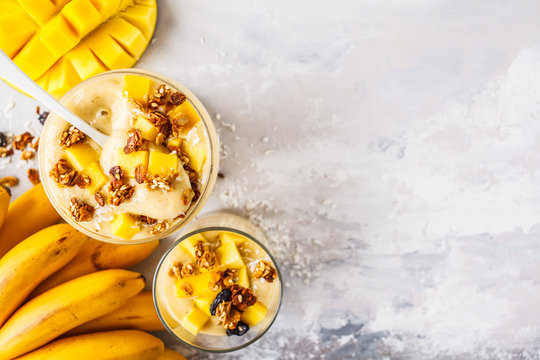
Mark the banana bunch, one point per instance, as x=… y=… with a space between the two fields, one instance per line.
x=65 y=296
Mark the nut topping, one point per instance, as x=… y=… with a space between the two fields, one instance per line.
x=134 y=141
x=159 y=227
x=121 y=194
x=63 y=174
x=263 y=269
x=20 y=141
x=5 y=151
x=9 y=181
x=80 y=212
x=187 y=196
x=146 y=219
x=33 y=176
x=180 y=270
x=27 y=155
x=242 y=297
x=84 y=181
x=228 y=315
x=205 y=258
x=99 y=199
x=71 y=136
x=140 y=174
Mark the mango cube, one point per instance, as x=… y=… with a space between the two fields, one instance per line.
x=194 y=320
x=228 y=254
x=162 y=164
x=141 y=16
x=148 y=130
x=81 y=155
x=16 y=28
x=127 y=35
x=58 y=37
x=174 y=143
x=125 y=226
x=82 y=16
x=26 y=58
x=136 y=86
x=189 y=244
x=85 y=63
x=62 y=78
x=196 y=154
x=39 y=10
x=128 y=162
x=254 y=314
x=106 y=8
x=188 y=110
x=243 y=279
x=97 y=177
x=108 y=50
x=198 y=285
x=237 y=239
x=203 y=303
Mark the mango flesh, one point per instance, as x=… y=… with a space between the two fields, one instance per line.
x=148 y=130
x=254 y=314
x=136 y=86
x=198 y=283
x=97 y=177
x=128 y=162
x=93 y=36
x=203 y=303
x=81 y=155
x=124 y=225
x=187 y=109
x=237 y=239
x=228 y=254
x=196 y=154
x=194 y=320
x=243 y=278
x=162 y=164
x=189 y=244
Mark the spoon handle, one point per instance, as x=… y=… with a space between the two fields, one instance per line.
x=15 y=76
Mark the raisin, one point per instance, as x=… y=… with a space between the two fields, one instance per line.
x=239 y=330
x=224 y=295
x=42 y=116
x=3 y=140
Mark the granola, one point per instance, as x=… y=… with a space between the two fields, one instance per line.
x=21 y=141
x=146 y=219
x=9 y=181
x=180 y=270
x=80 y=211
x=159 y=227
x=228 y=315
x=134 y=141
x=27 y=155
x=71 y=136
x=242 y=297
x=264 y=270
x=99 y=199
x=205 y=257
x=84 y=181
x=121 y=194
x=5 y=151
x=63 y=174
x=33 y=176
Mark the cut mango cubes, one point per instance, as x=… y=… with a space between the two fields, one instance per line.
x=148 y=130
x=231 y=237
x=203 y=303
x=194 y=320
x=189 y=111
x=254 y=314
x=93 y=35
x=189 y=244
x=197 y=285
x=81 y=155
x=128 y=162
x=228 y=255
x=243 y=278
x=196 y=154
x=136 y=86
x=124 y=225
x=97 y=177
x=162 y=164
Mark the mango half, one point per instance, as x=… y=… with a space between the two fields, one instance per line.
x=59 y=43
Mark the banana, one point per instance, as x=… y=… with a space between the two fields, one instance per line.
x=5 y=196
x=138 y=313
x=109 y=345
x=96 y=255
x=169 y=354
x=26 y=215
x=31 y=261
x=65 y=307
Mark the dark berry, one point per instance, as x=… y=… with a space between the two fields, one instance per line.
x=3 y=140
x=42 y=117
x=240 y=329
x=224 y=295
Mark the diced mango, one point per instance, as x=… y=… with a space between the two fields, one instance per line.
x=39 y=10
x=162 y=164
x=124 y=225
x=243 y=278
x=58 y=37
x=106 y=8
x=62 y=78
x=196 y=154
x=128 y=162
x=199 y=284
x=148 y=130
x=43 y=81
x=108 y=50
x=254 y=314
x=237 y=239
x=174 y=143
x=127 y=35
x=97 y=177
x=228 y=255
x=26 y=58
x=82 y=16
x=143 y=17
x=136 y=86
x=85 y=63
x=81 y=155
x=16 y=27
x=188 y=110
x=189 y=244
x=194 y=320
x=203 y=303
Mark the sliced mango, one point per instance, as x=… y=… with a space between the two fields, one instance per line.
x=189 y=244
x=148 y=130
x=187 y=109
x=243 y=278
x=97 y=177
x=94 y=35
x=254 y=314
x=128 y=162
x=194 y=320
x=174 y=143
x=237 y=239
x=198 y=285
x=62 y=77
x=124 y=226
x=196 y=154
x=228 y=254
x=162 y=164
x=136 y=86
x=203 y=303
x=81 y=155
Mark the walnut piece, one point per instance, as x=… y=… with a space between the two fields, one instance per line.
x=80 y=212
x=146 y=219
x=228 y=315
x=5 y=151
x=242 y=297
x=134 y=141
x=205 y=257
x=27 y=155
x=117 y=173
x=140 y=173
x=9 y=181
x=84 y=181
x=121 y=194
x=263 y=269
x=71 y=136
x=33 y=176
x=20 y=141
x=63 y=174
x=221 y=279
x=159 y=227
x=99 y=198
x=35 y=145
x=180 y=270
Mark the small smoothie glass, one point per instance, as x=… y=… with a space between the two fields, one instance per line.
x=218 y=288
x=155 y=172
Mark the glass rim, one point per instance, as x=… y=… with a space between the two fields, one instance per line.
x=207 y=186
x=198 y=231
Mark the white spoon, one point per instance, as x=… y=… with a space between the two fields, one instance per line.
x=15 y=76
